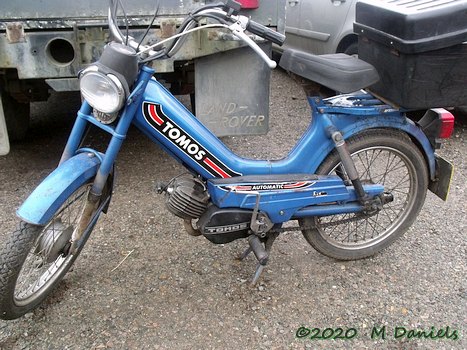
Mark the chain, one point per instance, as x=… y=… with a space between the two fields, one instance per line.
x=323 y=225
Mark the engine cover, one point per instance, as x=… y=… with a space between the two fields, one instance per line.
x=225 y=225
x=186 y=197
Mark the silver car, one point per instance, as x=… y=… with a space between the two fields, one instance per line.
x=321 y=26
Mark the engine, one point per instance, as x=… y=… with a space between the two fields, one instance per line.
x=222 y=226
x=187 y=198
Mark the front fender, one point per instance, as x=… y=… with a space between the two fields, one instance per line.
x=47 y=198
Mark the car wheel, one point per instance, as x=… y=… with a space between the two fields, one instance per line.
x=352 y=49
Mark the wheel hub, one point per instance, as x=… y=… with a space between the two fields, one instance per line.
x=375 y=205
x=54 y=241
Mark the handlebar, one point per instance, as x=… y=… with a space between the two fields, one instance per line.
x=238 y=27
x=265 y=32
x=118 y=36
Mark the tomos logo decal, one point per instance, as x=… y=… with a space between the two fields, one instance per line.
x=155 y=117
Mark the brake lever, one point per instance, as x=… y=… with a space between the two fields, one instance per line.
x=238 y=29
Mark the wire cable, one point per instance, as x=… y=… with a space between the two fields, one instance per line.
x=182 y=34
x=126 y=21
x=150 y=24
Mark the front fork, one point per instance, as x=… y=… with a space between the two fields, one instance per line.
x=118 y=132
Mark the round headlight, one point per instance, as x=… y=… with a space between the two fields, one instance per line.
x=104 y=92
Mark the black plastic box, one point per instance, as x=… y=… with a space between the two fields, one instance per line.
x=418 y=50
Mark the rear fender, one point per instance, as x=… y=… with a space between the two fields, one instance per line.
x=47 y=198
x=353 y=126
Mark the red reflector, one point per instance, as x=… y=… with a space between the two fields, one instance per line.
x=447 y=127
x=249 y=4
x=447 y=123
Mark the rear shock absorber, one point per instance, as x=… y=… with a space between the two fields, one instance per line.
x=347 y=162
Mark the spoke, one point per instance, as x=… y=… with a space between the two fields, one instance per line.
x=366 y=169
x=380 y=176
x=371 y=224
x=385 y=213
x=395 y=206
x=403 y=193
x=377 y=223
x=334 y=219
x=386 y=173
x=400 y=182
x=369 y=163
x=69 y=203
x=397 y=166
x=358 y=224
x=373 y=159
x=388 y=165
x=366 y=229
x=348 y=235
x=396 y=214
x=340 y=171
x=373 y=227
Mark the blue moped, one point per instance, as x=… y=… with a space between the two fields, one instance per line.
x=355 y=181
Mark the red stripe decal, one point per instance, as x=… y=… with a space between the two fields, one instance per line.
x=218 y=170
x=241 y=188
x=297 y=184
x=153 y=114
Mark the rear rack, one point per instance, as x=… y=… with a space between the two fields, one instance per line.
x=357 y=103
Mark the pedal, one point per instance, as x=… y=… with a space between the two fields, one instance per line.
x=261 y=253
x=257 y=247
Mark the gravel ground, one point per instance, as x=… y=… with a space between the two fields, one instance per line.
x=177 y=291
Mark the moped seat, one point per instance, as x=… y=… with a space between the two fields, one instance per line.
x=339 y=72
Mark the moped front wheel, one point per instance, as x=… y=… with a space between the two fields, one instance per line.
x=381 y=156
x=36 y=258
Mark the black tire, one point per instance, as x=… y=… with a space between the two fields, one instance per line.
x=35 y=259
x=393 y=161
x=352 y=49
x=17 y=117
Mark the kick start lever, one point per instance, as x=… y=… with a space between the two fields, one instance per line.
x=260 y=223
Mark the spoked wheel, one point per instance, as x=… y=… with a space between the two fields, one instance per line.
x=35 y=258
x=383 y=157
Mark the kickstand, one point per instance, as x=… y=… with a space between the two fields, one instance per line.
x=262 y=254
x=245 y=254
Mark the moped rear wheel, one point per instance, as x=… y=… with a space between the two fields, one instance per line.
x=381 y=156
x=36 y=258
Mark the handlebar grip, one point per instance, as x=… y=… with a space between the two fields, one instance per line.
x=265 y=32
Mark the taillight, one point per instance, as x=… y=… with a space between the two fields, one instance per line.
x=249 y=4
x=437 y=123
x=447 y=123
